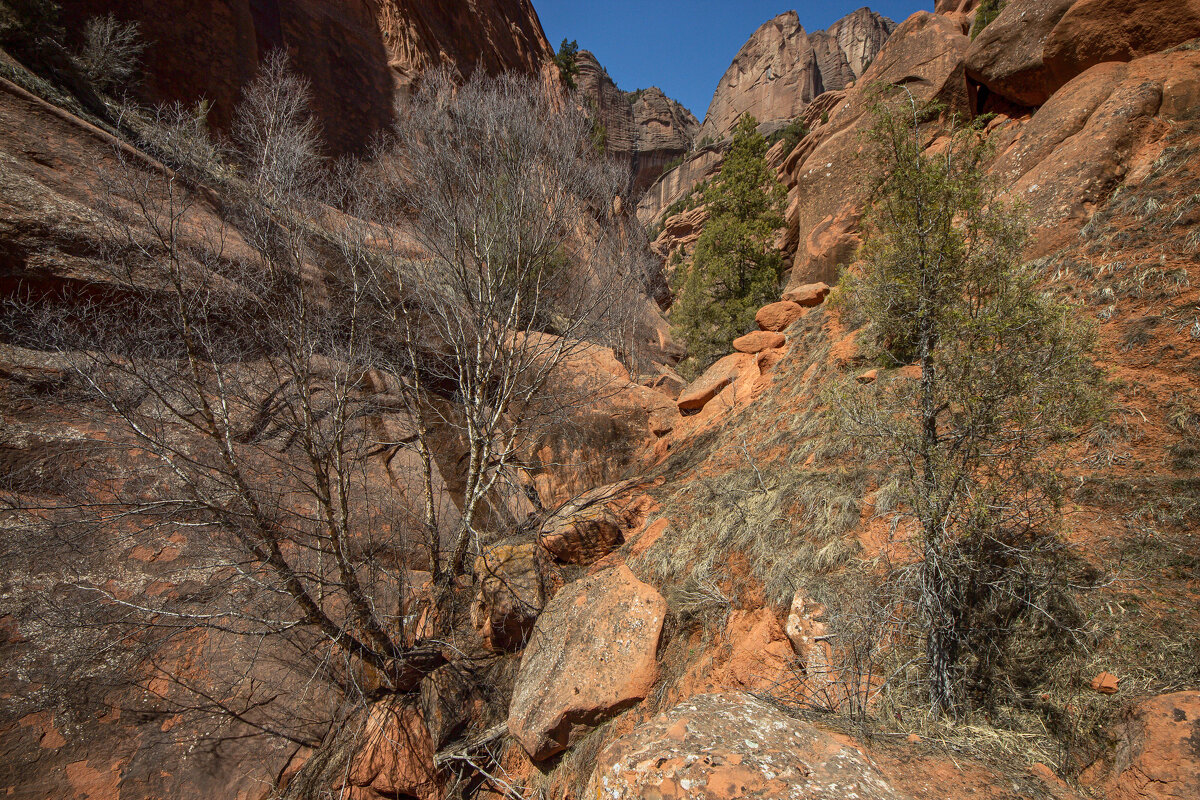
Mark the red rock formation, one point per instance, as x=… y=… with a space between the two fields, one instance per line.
x=645 y=128
x=1035 y=47
x=727 y=746
x=781 y=68
x=358 y=54
x=592 y=654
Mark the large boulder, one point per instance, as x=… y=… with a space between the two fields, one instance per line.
x=1157 y=756
x=726 y=746
x=1035 y=47
x=510 y=591
x=1095 y=31
x=587 y=528
x=394 y=757
x=592 y=654
x=1006 y=57
x=699 y=392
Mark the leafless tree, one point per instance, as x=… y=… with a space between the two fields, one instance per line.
x=276 y=377
x=500 y=254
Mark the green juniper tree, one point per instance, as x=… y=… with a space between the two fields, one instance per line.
x=736 y=268
x=977 y=441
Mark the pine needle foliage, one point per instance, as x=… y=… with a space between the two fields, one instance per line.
x=978 y=440
x=736 y=268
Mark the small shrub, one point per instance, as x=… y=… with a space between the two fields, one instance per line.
x=988 y=11
x=110 y=53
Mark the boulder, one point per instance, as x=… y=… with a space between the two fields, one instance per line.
x=757 y=341
x=778 y=316
x=394 y=756
x=726 y=746
x=724 y=372
x=1094 y=31
x=1006 y=56
x=586 y=528
x=767 y=359
x=1156 y=755
x=509 y=593
x=592 y=654
x=808 y=295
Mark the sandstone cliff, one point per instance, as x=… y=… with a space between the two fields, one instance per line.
x=358 y=55
x=781 y=68
x=645 y=128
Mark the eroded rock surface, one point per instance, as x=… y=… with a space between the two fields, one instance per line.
x=726 y=746
x=592 y=653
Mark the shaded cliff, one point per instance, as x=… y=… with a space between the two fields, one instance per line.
x=358 y=55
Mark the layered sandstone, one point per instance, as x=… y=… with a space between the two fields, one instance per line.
x=781 y=68
x=645 y=129
x=359 y=56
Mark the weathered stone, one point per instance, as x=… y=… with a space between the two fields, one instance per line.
x=1006 y=57
x=586 y=528
x=810 y=294
x=1156 y=757
x=395 y=754
x=592 y=653
x=1105 y=683
x=757 y=341
x=724 y=372
x=727 y=746
x=778 y=316
x=509 y=594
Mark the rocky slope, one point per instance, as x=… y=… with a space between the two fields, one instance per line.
x=359 y=56
x=659 y=635
x=646 y=129
x=781 y=68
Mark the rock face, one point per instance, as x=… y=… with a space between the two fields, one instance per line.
x=645 y=128
x=1157 y=757
x=1035 y=47
x=358 y=55
x=726 y=746
x=592 y=653
x=781 y=68
x=925 y=54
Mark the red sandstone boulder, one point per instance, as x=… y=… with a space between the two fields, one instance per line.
x=757 y=341
x=808 y=295
x=1006 y=56
x=713 y=381
x=509 y=593
x=1156 y=757
x=394 y=756
x=1095 y=31
x=586 y=528
x=727 y=746
x=592 y=653
x=778 y=316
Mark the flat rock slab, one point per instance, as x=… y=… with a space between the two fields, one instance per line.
x=592 y=654
x=726 y=746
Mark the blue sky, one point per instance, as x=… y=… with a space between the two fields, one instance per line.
x=684 y=47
